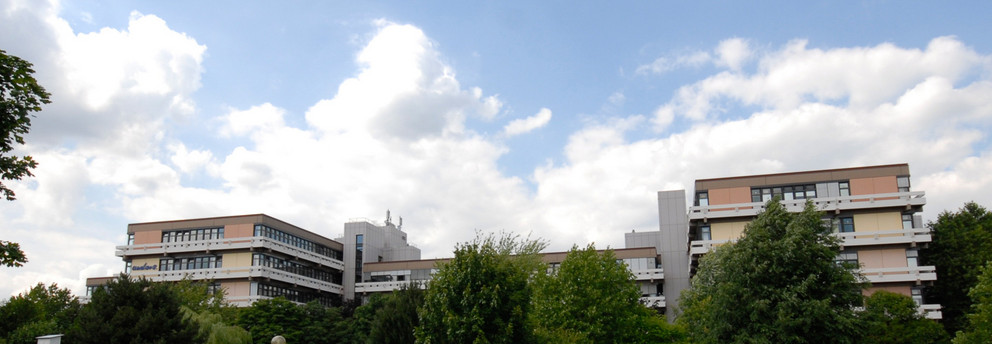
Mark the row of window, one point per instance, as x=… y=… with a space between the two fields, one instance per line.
x=193 y=234
x=292 y=240
x=843 y=224
x=269 y=290
x=799 y=191
x=259 y=259
x=190 y=263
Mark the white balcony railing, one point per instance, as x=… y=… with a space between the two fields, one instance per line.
x=931 y=311
x=240 y=272
x=653 y=301
x=895 y=199
x=901 y=274
x=887 y=237
x=648 y=274
x=257 y=242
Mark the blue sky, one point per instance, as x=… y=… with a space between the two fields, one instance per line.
x=556 y=119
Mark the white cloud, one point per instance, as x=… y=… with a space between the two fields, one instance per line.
x=665 y=64
x=732 y=53
x=526 y=125
x=261 y=117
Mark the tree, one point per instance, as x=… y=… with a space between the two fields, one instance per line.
x=978 y=328
x=482 y=295
x=962 y=243
x=20 y=95
x=210 y=312
x=273 y=317
x=592 y=297
x=396 y=320
x=40 y=311
x=11 y=254
x=891 y=318
x=133 y=311
x=778 y=284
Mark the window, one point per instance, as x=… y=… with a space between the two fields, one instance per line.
x=917 y=295
x=846 y=225
x=907 y=221
x=130 y=239
x=703 y=199
x=845 y=189
x=847 y=257
x=787 y=193
x=903 y=183
x=127 y=267
x=704 y=233
x=912 y=256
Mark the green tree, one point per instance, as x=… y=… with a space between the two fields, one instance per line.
x=891 y=318
x=778 y=284
x=482 y=295
x=962 y=243
x=40 y=311
x=273 y=317
x=978 y=328
x=210 y=312
x=20 y=95
x=11 y=254
x=133 y=311
x=591 y=297
x=396 y=320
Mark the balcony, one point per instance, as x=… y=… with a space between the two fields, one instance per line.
x=896 y=199
x=911 y=236
x=648 y=274
x=247 y=272
x=381 y=287
x=244 y=243
x=653 y=300
x=916 y=274
x=901 y=236
x=931 y=312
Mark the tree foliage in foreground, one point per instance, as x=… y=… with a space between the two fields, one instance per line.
x=778 y=284
x=592 y=298
x=39 y=311
x=978 y=326
x=133 y=311
x=20 y=95
x=396 y=320
x=962 y=243
x=891 y=318
x=483 y=294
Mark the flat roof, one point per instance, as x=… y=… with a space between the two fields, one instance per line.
x=219 y=221
x=549 y=257
x=803 y=176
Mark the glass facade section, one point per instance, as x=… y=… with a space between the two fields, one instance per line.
x=292 y=240
x=294 y=267
x=193 y=234
x=295 y=295
x=190 y=263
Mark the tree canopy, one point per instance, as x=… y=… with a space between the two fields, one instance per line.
x=978 y=324
x=396 y=320
x=592 y=297
x=133 y=311
x=962 y=243
x=778 y=284
x=482 y=295
x=20 y=95
x=40 y=311
x=891 y=318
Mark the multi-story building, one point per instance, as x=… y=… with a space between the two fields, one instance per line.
x=871 y=209
x=644 y=264
x=366 y=242
x=251 y=257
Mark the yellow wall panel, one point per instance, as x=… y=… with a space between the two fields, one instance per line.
x=144 y=264
x=234 y=260
x=727 y=230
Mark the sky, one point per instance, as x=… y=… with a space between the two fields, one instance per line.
x=554 y=120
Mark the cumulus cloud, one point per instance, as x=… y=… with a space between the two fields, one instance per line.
x=526 y=125
x=394 y=136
